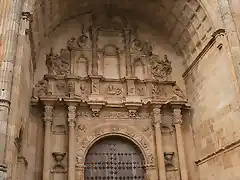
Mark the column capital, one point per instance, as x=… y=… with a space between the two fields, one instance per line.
x=177 y=116
x=72 y=115
x=48 y=114
x=156 y=117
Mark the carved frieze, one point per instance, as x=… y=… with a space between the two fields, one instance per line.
x=113 y=90
x=158 y=91
x=125 y=115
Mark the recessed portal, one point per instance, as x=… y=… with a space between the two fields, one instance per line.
x=114 y=158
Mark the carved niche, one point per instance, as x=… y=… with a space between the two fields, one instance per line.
x=110 y=45
x=80 y=50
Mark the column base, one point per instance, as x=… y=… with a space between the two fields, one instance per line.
x=3 y=172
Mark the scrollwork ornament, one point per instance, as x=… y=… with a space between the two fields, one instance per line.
x=178 y=92
x=160 y=68
x=41 y=88
x=72 y=112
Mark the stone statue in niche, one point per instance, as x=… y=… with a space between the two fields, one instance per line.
x=160 y=68
x=41 y=88
x=58 y=64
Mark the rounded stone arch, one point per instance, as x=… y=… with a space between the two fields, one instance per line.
x=123 y=131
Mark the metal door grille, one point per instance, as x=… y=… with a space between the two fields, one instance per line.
x=114 y=158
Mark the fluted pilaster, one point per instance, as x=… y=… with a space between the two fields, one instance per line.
x=72 y=140
x=177 y=121
x=48 y=117
x=157 y=120
x=10 y=15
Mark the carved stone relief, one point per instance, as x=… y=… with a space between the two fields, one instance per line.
x=160 y=68
x=113 y=90
x=58 y=64
x=178 y=92
x=41 y=88
x=159 y=91
x=118 y=130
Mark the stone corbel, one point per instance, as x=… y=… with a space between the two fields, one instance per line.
x=168 y=158
x=132 y=108
x=96 y=109
x=58 y=167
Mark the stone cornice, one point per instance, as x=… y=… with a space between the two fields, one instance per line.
x=207 y=47
x=218 y=152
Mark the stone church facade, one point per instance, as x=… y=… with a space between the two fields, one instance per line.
x=119 y=90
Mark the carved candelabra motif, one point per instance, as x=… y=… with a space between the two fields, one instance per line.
x=58 y=157
x=168 y=157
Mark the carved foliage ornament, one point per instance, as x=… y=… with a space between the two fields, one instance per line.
x=114 y=130
x=160 y=68
x=112 y=90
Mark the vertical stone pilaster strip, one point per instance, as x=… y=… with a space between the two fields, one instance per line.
x=232 y=37
x=10 y=15
x=157 y=120
x=177 y=121
x=94 y=52
x=48 y=118
x=72 y=140
x=128 y=55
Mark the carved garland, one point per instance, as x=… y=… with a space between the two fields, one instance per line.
x=100 y=132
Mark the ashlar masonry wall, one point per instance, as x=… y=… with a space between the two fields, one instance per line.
x=213 y=95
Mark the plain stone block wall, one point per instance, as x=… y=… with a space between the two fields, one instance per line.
x=214 y=99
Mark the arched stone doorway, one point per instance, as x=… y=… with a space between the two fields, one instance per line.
x=114 y=158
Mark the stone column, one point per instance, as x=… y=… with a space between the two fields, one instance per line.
x=10 y=14
x=177 y=121
x=72 y=140
x=157 y=119
x=48 y=117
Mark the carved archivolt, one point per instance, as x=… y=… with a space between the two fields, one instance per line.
x=115 y=129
